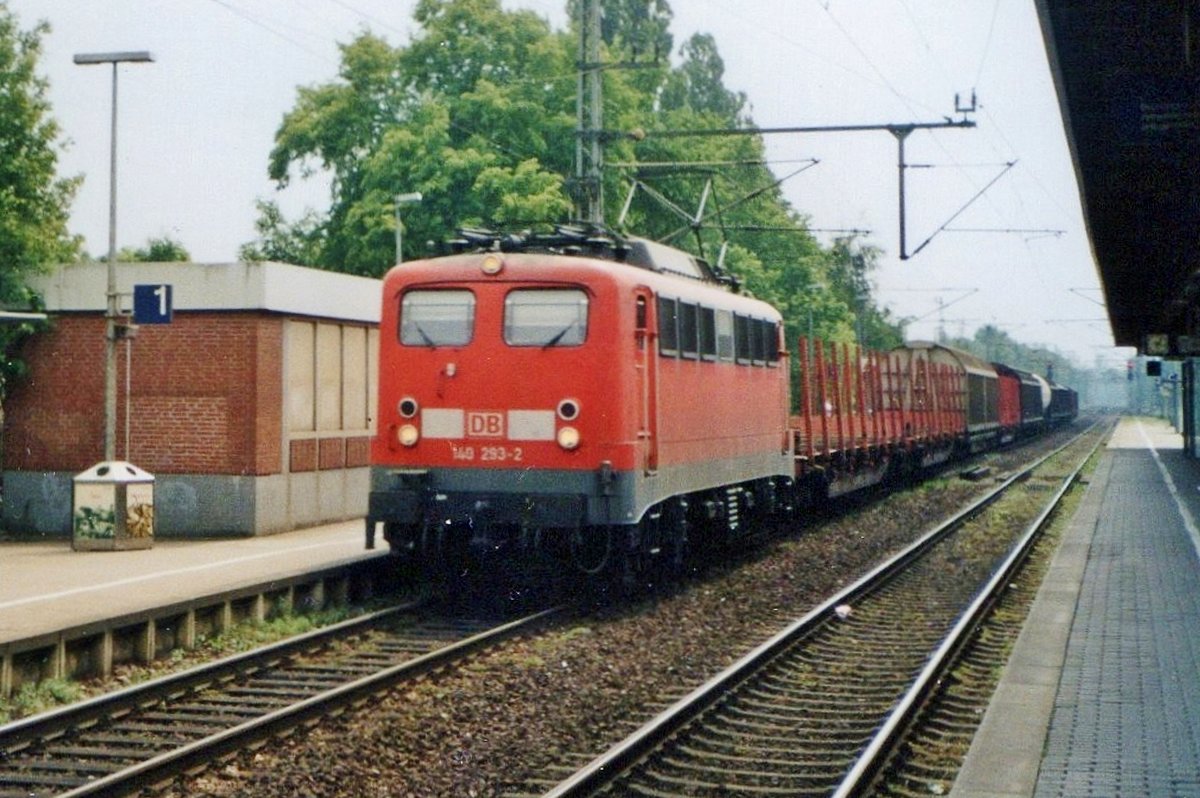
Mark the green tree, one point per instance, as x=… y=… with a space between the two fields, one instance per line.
x=157 y=250
x=477 y=112
x=34 y=201
x=296 y=242
x=852 y=264
x=699 y=83
x=640 y=30
x=451 y=116
x=995 y=345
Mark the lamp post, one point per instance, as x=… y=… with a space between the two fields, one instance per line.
x=113 y=308
x=402 y=199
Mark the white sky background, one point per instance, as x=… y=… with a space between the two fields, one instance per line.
x=196 y=128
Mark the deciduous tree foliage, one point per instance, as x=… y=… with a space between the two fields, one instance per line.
x=157 y=250
x=995 y=345
x=34 y=201
x=477 y=113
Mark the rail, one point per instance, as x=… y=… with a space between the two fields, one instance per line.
x=51 y=753
x=95 y=648
x=637 y=747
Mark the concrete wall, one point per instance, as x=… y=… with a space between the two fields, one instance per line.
x=38 y=503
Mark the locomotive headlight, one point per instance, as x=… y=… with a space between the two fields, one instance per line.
x=408 y=407
x=491 y=264
x=568 y=438
x=408 y=435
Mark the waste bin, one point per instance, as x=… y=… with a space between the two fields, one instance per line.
x=112 y=508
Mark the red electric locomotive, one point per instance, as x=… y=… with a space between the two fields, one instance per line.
x=579 y=393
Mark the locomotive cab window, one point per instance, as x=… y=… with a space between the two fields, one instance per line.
x=443 y=317
x=545 y=317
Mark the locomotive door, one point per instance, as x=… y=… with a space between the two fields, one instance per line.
x=646 y=364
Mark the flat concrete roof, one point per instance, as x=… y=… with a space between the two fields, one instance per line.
x=266 y=285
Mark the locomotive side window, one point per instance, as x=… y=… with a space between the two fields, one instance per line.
x=742 y=338
x=668 y=326
x=688 y=329
x=724 y=335
x=771 y=342
x=694 y=331
x=708 y=333
x=758 y=352
x=769 y=338
x=545 y=317
x=443 y=317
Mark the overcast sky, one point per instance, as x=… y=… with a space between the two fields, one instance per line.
x=197 y=125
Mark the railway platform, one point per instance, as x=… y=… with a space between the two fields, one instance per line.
x=1101 y=696
x=46 y=586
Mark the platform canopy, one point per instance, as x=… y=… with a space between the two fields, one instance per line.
x=1127 y=76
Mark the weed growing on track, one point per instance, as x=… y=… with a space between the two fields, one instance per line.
x=30 y=699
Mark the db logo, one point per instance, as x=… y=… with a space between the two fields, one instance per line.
x=485 y=425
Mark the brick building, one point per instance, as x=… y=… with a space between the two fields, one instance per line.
x=252 y=408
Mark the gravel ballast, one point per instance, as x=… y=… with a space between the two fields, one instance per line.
x=503 y=720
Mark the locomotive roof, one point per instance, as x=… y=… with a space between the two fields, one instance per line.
x=595 y=242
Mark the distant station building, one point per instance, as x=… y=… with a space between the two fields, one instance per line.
x=252 y=407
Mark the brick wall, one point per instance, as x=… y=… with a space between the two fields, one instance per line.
x=54 y=414
x=206 y=397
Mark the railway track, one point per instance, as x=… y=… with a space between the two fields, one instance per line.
x=819 y=708
x=121 y=742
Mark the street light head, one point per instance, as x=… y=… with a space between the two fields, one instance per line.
x=414 y=196
x=135 y=56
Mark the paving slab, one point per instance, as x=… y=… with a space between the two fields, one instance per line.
x=1101 y=696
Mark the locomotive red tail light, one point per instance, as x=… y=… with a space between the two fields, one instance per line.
x=408 y=407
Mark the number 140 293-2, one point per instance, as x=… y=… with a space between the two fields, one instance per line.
x=487 y=454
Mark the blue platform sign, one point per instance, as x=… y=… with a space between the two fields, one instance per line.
x=152 y=304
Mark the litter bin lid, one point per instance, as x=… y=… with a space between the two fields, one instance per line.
x=114 y=471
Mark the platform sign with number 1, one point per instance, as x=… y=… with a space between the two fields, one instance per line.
x=152 y=304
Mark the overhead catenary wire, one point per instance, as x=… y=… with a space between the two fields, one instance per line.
x=987 y=44
x=258 y=22
x=370 y=18
x=968 y=204
x=887 y=84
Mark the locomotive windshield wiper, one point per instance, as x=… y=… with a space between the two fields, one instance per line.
x=558 y=336
x=424 y=335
